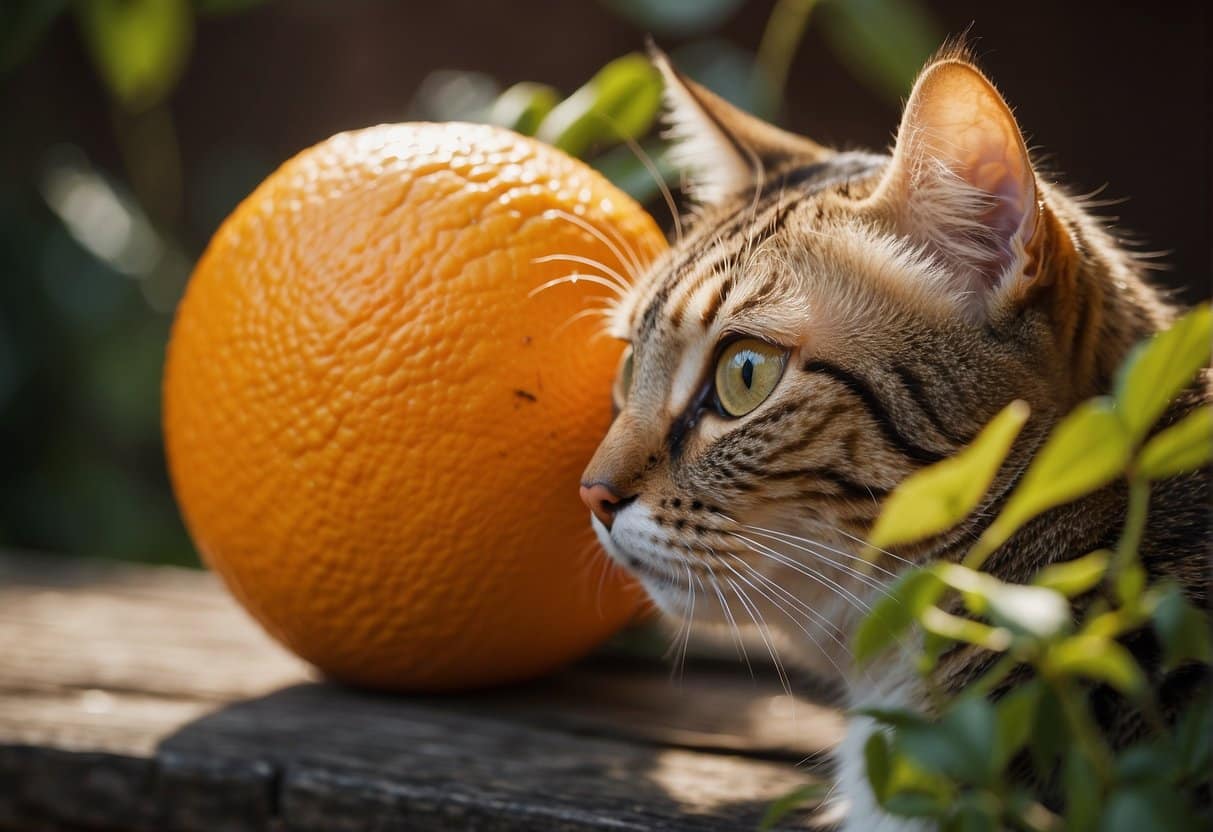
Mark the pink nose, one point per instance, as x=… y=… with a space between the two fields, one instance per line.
x=602 y=502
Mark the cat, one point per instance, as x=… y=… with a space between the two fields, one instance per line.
x=831 y=322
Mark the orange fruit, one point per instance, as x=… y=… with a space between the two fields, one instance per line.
x=375 y=424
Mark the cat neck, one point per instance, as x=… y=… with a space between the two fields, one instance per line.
x=1099 y=303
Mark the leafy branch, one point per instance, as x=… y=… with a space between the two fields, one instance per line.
x=952 y=766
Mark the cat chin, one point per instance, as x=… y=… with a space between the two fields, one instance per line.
x=670 y=601
x=667 y=591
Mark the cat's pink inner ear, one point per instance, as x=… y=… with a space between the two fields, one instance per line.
x=961 y=171
x=966 y=124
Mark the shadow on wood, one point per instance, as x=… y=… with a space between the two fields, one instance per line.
x=133 y=698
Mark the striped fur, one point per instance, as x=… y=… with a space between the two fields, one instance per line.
x=916 y=294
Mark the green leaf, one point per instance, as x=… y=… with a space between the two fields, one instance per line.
x=1030 y=610
x=914 y=791
x=523 y=106
x=1192 y=740
x=933 y=647
x=1050 y=734
x=620 y=102
x=675 y=17
x=1144 y=763
x=896 y=717
x=1185 y=446
x=893 y=614
x=876 y=756
x=915 y=804
x=1130 y=584
x=1098 y=658
x=140 y=46
x=958 y=746
x=1014 y=714
x=883 y=42
x=1108 y=623
x=1157 y=370
x=797 y=798
x=973 y=815
x=1183 y=630
x=959 y=628
x=1081 y=787
x=1150 y=806
x=22 y=26
x=936 y=498
x=1086 y=451
x=1074 y=577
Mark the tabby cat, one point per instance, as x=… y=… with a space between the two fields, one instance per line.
x=829 y=323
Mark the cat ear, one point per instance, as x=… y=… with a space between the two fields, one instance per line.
x=961 y=182
x=720 y=148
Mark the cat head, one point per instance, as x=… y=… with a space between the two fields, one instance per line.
x=828 y=323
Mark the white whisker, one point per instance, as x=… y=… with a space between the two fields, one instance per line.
x=577 y=278
x=863 y=542
x=760 y=622
x=866 y=580
x=584 y=313
x=794 y=538
x=788 y=613
x=690 y=616
x=647 y=161
x=791 y=614
x=789 y=538
x=803 y=569
x=734 y=630
x=759 y=182
x=614 y=243
x=615 y=276
x=828 y=626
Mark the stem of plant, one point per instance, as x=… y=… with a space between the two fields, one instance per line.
x=1001 y=669
x=1085 y=732
x=1135 y=524
x=783 y=33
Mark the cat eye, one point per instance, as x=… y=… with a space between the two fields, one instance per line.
x=747 y=371
x=623 y=377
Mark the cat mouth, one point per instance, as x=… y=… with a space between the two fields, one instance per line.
x=641 y=566
x=645 y=568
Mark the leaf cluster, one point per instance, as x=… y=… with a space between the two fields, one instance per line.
x=1029 y=713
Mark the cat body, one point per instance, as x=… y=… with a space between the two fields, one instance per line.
x=830 y=323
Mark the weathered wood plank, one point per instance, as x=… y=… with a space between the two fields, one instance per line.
x=76 y=623
x=79 y=624
x=352 y=760
x=140 y=698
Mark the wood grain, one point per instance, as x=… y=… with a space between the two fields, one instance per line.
x=143 y=698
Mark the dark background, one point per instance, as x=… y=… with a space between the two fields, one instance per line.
x=1114 y=96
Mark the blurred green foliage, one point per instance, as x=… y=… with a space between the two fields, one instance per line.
x=140 y=47
x=952 y=766
x=96 y=259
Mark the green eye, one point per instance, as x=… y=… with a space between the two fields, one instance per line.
x=623 y=377
x=746 y=374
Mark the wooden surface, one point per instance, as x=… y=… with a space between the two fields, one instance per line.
x=142 y=698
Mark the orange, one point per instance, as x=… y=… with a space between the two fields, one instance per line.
x=375 y=425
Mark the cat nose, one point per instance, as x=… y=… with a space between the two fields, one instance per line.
x=603 y=502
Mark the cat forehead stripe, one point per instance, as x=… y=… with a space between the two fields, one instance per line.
x=775 y=201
